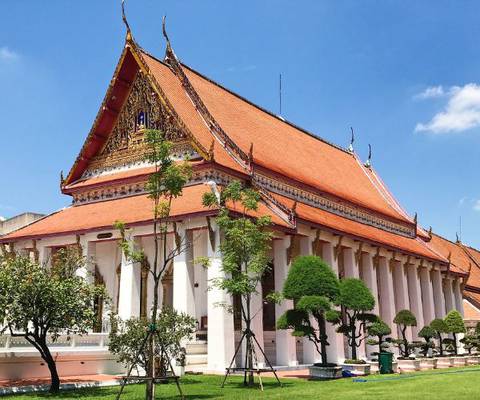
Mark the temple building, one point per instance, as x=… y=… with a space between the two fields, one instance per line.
x=11 y=224
x=321 y=197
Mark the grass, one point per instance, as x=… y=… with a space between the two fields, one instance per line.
x=453 y=384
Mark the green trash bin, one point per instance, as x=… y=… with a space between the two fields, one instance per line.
x=385 y=361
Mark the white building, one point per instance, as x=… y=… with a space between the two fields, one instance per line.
x=322 y=199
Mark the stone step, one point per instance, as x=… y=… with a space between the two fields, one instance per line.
x=196 y=359
x=198 y=347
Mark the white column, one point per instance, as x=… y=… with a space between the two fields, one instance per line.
x=415 y=292
x=449 y=296
x=438 y=294
x=351 y=267
x=369 y=274
x=427 y=297
x=285 y=343
x=310 y=354
x=457 y=293
x=402 y=301
x=43 y=254
x=387 y=293
x=89 y=252
x=336 y=350
x=183 y=276
x=221 y=339
x=129 y=298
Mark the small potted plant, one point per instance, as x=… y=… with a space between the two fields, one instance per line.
x=313 y=285
x=356 y=301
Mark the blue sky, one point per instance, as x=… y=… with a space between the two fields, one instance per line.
x=403 y=73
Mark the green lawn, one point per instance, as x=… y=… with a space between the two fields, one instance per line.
x=443 y=384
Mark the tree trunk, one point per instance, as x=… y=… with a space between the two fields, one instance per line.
x=440 y=343
x=353 y=342
x=322 y=329
x=52 y=367
x=405 y=342
x=455 y=349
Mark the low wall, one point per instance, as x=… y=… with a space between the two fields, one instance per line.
x=25 y=365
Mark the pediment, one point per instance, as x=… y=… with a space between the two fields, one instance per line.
x=142 y=110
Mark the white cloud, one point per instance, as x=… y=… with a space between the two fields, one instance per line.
x=431 y=92
x=7 y=55
x=462 y=111
x=476 y=205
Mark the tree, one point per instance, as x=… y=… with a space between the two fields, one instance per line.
x=380 y=330
x=427 y=333
x=164 y=184
x=455 y=325
x=356 y=300
x=126 y=337
x=245 y=253
x=440 y=327
x=38 y=302
x=404 y=319
x=313 y=286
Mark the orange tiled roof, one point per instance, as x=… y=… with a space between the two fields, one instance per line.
x=474 y=277
x=130 y=210
x=339 y=224
x=471 y=312
x=459 y=260
x=286 y=149
x=184 y=107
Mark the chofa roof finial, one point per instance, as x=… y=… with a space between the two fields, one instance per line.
x=368 y=163
x=350 y=147
x=169 y=51
x=124 y=18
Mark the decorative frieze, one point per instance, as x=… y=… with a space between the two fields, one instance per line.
x=333 y=206
x=113 y=191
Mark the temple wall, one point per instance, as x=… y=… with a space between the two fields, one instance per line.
x=396 y=281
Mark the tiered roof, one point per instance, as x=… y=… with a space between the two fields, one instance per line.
x=234 y=135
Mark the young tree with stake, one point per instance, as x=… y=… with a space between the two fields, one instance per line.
x=165 y=184
x=244 y=247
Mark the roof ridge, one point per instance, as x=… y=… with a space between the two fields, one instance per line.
x=280 y=118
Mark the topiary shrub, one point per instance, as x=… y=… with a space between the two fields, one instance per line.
x=404 y=319
x=356 y=300
x=427 y=333
x=380 y=330
x=312 y=285
x=455 y=325
x=440 y=327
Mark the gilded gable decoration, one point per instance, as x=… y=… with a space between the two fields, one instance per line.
x=126 y=143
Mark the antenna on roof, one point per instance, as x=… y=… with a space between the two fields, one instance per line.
x=368 y=163
x=124 y=18
x=350 y=147
x=280 y=94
